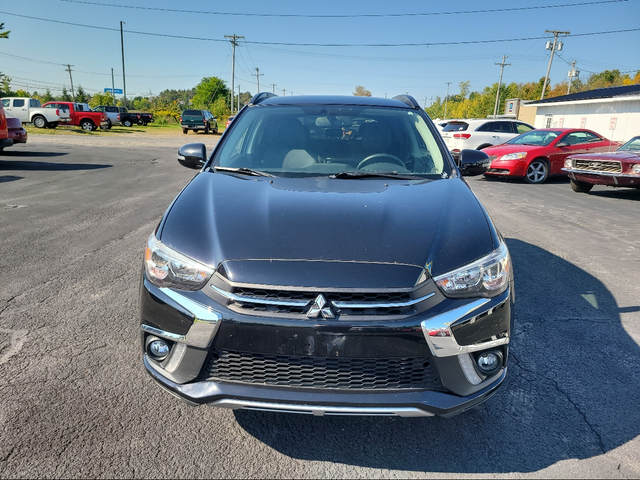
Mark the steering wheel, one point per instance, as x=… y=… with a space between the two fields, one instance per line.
x=377 y=158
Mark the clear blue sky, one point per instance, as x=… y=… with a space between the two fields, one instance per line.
x=157 y=63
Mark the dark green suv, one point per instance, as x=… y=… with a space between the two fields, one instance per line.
x=198 y=120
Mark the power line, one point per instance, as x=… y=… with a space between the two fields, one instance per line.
x=357 y=15
x=339 y=45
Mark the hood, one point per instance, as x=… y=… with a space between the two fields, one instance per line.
x=508 y=148
x=223 y=220
x=619 y=156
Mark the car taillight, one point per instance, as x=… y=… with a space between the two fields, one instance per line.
x=463 y=136
x=180 y=119
x=204 y=121
x=58 y=112
x=118 y=117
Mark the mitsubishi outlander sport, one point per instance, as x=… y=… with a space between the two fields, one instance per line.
x=328 y=258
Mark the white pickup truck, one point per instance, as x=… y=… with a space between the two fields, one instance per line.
x=29 y=110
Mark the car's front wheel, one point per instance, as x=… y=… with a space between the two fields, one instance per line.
x=185 y=130
x=537 y=171
x=581 y=187
x=127 y=123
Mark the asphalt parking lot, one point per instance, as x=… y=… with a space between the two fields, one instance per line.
x=75 y=400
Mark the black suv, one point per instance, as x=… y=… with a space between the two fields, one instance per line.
x=328 y=258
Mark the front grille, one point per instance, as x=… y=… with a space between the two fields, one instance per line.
x=343 y=304
x=322 y=372
x=598 y=166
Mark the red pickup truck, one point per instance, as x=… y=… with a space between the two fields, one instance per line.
x=5 y=141
x=81 y=115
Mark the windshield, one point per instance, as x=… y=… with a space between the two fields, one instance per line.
x=323 y=140
x=633 y=145
x=536 y=137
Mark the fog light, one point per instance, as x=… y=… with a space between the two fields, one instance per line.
x=489 y=362
x=157 y=348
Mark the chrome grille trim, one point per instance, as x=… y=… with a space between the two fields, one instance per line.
x=608 y=166
x=245 y=299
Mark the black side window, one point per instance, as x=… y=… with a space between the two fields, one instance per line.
x=502 y=127
x=487 y=127
x=18 y=103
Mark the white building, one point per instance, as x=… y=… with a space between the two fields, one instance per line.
x=612 y=112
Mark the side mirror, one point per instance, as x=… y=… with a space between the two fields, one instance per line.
x=562 y=144
x=474 y=162
x=193 y=155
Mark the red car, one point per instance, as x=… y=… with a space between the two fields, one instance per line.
x=16 y=130
x=539 y=153
x=616 y=169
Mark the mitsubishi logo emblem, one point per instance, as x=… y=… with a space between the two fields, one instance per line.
x=319 y=307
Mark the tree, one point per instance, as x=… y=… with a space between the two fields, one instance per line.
x=65 y=97
x=4 y=34
x=100 y=99
x=5 y=85
x=208 y=91
x=81 y=95
x=362 y=92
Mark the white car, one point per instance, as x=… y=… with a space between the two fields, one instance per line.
x=477 y=134
x=29 y=110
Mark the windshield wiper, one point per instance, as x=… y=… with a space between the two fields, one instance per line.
x=243 y=171
x=373 y=174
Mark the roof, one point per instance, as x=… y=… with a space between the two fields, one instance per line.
x=604 y=93
x=334 y=100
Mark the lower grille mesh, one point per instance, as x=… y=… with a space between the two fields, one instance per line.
x=322 y=372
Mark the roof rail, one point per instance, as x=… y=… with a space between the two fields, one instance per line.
x=409 y=100
x=259 y=97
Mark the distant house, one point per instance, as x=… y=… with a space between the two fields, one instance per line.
x=613 y=112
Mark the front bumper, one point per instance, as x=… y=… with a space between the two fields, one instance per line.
x=604 y=178
x=506 y=168
x=447 y=334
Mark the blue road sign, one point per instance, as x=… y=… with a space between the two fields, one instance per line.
x=110 y=90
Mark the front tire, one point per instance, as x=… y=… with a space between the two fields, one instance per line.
x=537 y=171
x=581 y=187
x=87 y=125
x=39 y=121
x=127 y=123
x=185 y=130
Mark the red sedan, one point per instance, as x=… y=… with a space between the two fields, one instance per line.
x=539 y=153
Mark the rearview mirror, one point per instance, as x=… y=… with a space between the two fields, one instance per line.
x=193 y=155
x=474 y=162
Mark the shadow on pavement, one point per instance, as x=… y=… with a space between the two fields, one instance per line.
x=26 y=153
x=9 y=178
x=572 y=391
x=621 y=193
x=48 y=166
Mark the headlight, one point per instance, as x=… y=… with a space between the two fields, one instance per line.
x=635 y=169
x=486 y=277
x=513 y=156
x=568 y=163
x=167 y=268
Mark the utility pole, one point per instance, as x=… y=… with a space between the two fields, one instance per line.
x=71 y=78
x=124 y=82
x=283 y=92
x=258 y=75
x=502 y=65
x=238 y=97
x=572 y=73
x=113 y=89
x=234 y=41
x=446 y=99
x=273 y=88
x=553 y=47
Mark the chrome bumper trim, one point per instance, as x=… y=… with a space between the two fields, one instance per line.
x=206 y=322
x=604 y=174
x=321 y=410
x=440 y=338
